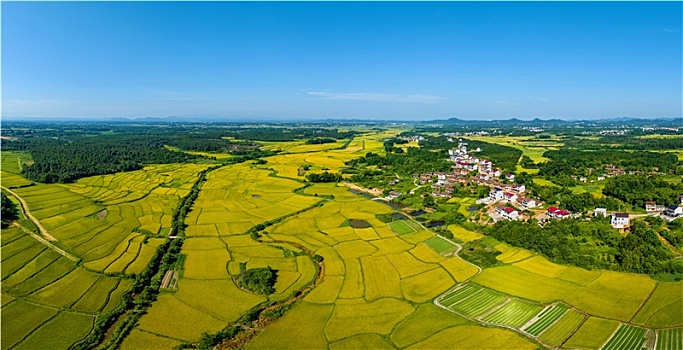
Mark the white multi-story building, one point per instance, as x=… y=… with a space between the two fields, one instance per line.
x=620 y=220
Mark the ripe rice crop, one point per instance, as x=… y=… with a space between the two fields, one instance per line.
x=287 y=332
x=460 y=269
x=521 y=283
x=218 y=298
x=355 y=249
x=426 y=254
x=426 y=321
x=59 y=333
x=381 y=279
x=614 y=295
x=660 y=309
x=407 y=265
x=474 y=337
x=357 y=316
x=20 y=319
x=67 y=290
x=173 y=318
x=426 y=286
x=362 y=341
x=327 y=291
x=592 y=333
x=353 y=286
x=138 y=339
x=390 y=245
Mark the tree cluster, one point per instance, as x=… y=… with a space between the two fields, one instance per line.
x=566 y=161
x=320 y=140
x=10 y=212
x=591 y=245
x=324 y=177
x=258 y=280
x=67 y=160
x=637 y=189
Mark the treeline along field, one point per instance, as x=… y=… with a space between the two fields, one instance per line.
x=66 y=161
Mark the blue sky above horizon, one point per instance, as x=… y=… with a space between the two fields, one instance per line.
x=398 y=60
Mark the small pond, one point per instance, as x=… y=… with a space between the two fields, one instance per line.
x=356 y=223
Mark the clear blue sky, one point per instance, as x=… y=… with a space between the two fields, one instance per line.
x=342 y=60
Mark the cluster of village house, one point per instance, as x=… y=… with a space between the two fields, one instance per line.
x=416 y=138
x=513 y=193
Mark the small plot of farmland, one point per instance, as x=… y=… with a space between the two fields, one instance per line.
x=441 y=245
x=563 y=328
x=472 y=301
x=627 y=337
x=403 y=227
x=515 y=313
x=670 y=339
x=546 y=318
x=592 y=333
x=663 y=308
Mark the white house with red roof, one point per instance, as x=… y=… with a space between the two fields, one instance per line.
x=510 y=197
x=507 y=212
x=557 y=213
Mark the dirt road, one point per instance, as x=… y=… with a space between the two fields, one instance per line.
x=27 y=213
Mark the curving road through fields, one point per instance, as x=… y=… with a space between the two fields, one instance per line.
x=27 y=213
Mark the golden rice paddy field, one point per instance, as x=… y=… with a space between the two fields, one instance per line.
x=102 y=219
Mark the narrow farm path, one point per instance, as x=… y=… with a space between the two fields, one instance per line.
x=416 y=186
x=27 y=213
x=47 y=243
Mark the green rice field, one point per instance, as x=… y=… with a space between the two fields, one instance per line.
x=441 y=245
x=514 y=313
x=670 y=339
x=626 y=337
x=403 y=227
x=546 y=318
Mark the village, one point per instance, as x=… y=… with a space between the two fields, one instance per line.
x=508 y=200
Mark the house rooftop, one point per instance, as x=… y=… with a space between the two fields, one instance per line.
x=621 y=215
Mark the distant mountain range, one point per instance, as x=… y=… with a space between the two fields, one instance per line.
x=538 y=122
x=675 y=121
